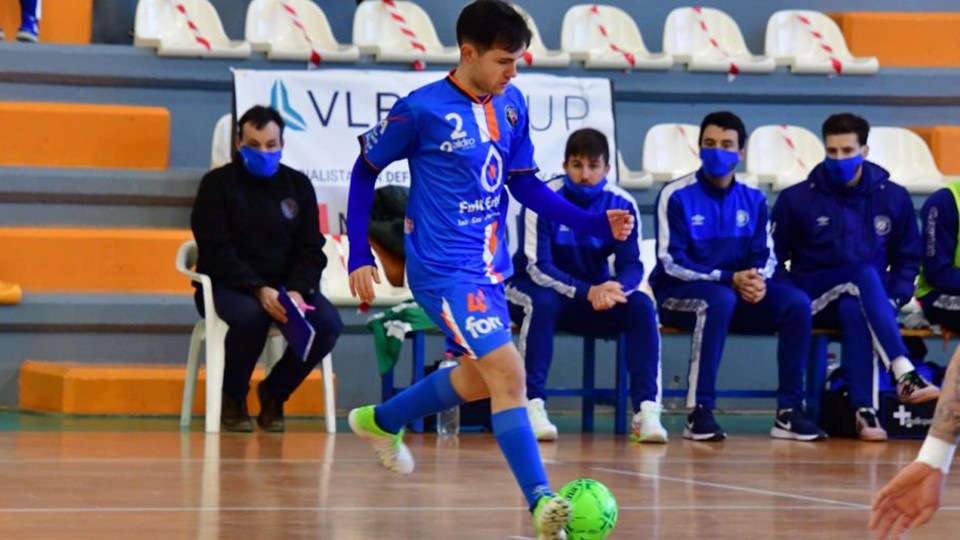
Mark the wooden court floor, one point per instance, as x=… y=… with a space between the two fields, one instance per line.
x=308 y=485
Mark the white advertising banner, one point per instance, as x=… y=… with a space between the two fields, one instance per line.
x=325 y=111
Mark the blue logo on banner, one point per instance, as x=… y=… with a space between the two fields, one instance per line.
x=280 y=100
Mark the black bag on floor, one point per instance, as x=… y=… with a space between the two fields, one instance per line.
x=836 y=418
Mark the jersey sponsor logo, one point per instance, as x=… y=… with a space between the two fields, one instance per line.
x=512 y=117
x=881 y=224
x=459 y=140
x=697 y=220
x=372 y=137
x=481 y=327
x=480 y=205
x=823 y=221
x=476 y=302
x=491 y=174
x=742 y=218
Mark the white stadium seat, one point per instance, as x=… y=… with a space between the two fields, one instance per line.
x=713 y=47
x=270 y=28
x=582 y=38
x=796 y=38
x=907 y=158
x=376 y=33
x=538 y=53
x=158 y=24
x=629 y=179
x=221 y=145
x=782 y=155
x=671 y=151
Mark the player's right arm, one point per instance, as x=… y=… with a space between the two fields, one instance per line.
x=392 y=139
x=913 y=496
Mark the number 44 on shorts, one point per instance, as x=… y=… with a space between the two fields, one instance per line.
x=476 y=302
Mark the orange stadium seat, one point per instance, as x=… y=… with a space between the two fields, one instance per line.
x=943 y=142
x=921 y=39
x=113 y=136
x=66 y=22
x=92 y=260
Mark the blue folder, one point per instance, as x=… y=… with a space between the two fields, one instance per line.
x=297 y=330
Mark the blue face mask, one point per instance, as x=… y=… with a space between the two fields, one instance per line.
x=260 y=164
x=841 y=171
x=583 y=193
x=718 y=162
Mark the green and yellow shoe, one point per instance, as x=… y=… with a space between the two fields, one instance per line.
x=391 y=451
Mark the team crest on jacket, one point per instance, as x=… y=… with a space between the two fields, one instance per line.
x=512 y=117
x=742 y=218
x=290 y=208
x=881 y=224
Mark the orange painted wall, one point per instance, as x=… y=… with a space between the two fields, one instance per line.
x=943 y=142
x=903 y=39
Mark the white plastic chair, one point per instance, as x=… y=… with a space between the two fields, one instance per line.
x=581 y=37
x=376 y=33
x=671 y=151
x=630 y=179
x=648 y=256
x=335 y=282
x=270 y=28
x=907 y=158
x=793 y=42
x=782 y=155
x=160 y=25
x=689 y=43
x=211 y=331
x=221 y=144
x=539 y=55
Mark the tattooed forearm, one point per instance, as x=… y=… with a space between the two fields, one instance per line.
x=946 y=421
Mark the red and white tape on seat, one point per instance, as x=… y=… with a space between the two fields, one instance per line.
x=734 y=70
x=197 y=34
x=401 y=22
x=627 y=55
x=793 y=148
x=683 y=133
x=315 y=57
x=822 y=43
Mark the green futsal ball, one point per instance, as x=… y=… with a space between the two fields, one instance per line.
x=594 y=512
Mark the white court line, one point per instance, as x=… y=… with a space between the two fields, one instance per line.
x=644 y=508
x=734 y=488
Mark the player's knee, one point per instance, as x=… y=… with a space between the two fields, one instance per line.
x=796 y=303
x=721 y=302
x=544 y=300
x=640 y=308
x=867 y=279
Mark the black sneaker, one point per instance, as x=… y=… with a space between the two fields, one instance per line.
x=792 y=424
x=913 y=388
x=701 y=426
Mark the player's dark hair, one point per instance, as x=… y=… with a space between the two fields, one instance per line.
x=259 y=116
x=843 y=123
x=488 y=24
x=587 y=142
x=725 y=120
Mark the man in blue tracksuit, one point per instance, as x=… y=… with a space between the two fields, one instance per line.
x=938 y=287
x=851 y=237
x=563 y=282
x=714 y=260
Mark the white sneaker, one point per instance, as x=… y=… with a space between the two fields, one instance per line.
x=391 y=451
x=646 y=426
x=542 y=428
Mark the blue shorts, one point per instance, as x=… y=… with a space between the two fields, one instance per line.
x=474 y=316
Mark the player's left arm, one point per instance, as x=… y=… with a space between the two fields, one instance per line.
x=531 y=192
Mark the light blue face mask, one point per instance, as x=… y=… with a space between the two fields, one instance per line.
x=718 y=162
x=841 y=171
x=260 y=164
x=583 y=193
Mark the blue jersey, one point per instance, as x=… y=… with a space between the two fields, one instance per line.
x=461 y=150
x=705 y=233
x=570 y=262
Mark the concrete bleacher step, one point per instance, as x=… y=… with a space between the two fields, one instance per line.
x=88 y=259
x=67 y=22
x=135 y=389
x=85 y=135
x=921 y=39
x=97 y=197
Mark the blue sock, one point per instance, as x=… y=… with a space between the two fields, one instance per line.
x=430 y=395
x=519 y=446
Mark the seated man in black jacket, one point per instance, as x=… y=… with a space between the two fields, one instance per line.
x=257 y=230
